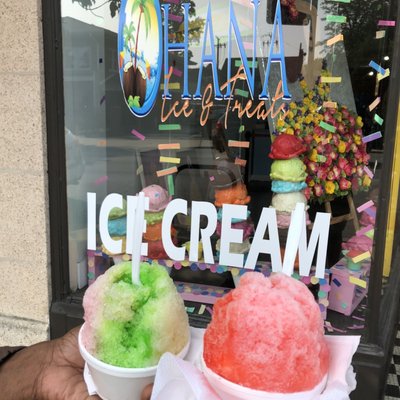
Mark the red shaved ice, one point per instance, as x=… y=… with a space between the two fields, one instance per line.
x=267 y=334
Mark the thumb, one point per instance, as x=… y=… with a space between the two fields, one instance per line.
x=146 y=394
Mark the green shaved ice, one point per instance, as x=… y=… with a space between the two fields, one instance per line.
x=153 y=217
x=116 y=212
x=138 y=323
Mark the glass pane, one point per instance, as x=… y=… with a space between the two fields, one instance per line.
x=335 y=61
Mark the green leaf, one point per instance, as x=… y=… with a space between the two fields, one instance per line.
x=135 y=6
x=147 y=18
x=130 y=101
x=129 y=34
x=136 y=102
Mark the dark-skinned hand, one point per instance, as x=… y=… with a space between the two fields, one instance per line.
x=51 y=370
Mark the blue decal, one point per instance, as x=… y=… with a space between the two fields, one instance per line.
x=184 y=46
x=233 y=23
x=208 y=59
x=276 y=57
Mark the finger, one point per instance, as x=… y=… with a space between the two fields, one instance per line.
x=81 y=392
x=146 y=394
x=75 y=331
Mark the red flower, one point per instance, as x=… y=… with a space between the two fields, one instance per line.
x=312 y=166
x=322 y=173
x=293 y=11
x=359 y=156
x=308 y=139
x=345 y=113
x=348 y=170
x=344 y=184
x=355 y=184
x=335 y=139
x=328 y=161
x=336 y=172
x=342 y=162
x=366 y=158
x=341 y=128
x=333 y=155
x=318 y=190
x=331 y=175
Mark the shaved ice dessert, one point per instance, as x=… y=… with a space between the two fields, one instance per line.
x=286 y=202
x=287 y=146
x=154 y=232
x=292 y=170
x=287 y=187
x=158 y=198
x=156 y=250
x=132 y=326
x=236 y=194
x=267 y=335
x=153 y=217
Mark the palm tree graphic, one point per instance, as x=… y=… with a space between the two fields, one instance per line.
x=129 y=39
x=135 y=82
x=143 y=6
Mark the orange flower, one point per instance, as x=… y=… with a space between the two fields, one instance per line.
x=317 y=138
x=329 y=187
x=314 y=155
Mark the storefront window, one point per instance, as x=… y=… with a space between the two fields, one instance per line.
x=327 y=92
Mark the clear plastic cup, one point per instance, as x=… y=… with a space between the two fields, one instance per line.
x=118 y=383
x=231 y=391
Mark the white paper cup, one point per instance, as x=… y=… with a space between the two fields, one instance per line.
x=231 y=391
x=118 y=383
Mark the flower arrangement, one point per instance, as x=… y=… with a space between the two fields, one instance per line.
x=336 y=157
x=291 y=6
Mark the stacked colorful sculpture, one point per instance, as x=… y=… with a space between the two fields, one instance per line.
x=158 y=201
x=288 y=174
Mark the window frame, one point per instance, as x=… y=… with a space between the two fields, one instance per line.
x=66 y=307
